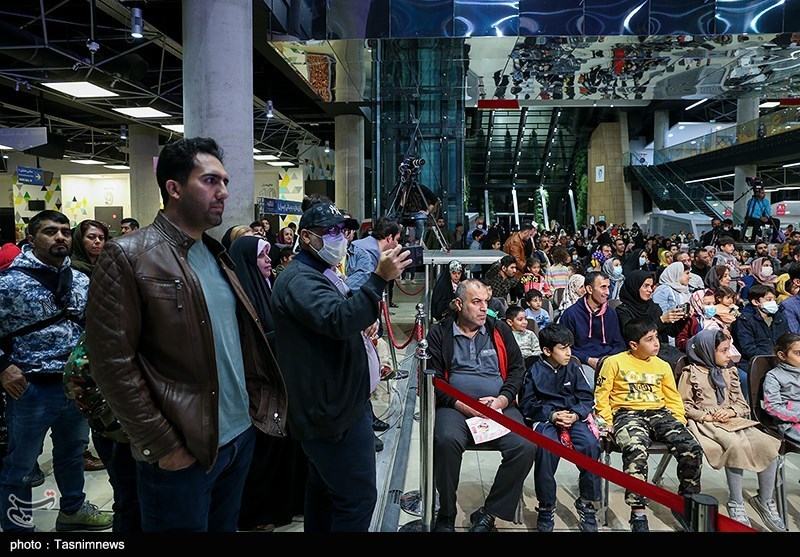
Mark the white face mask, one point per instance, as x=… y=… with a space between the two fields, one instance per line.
x=770 y=307
x=766 y=271
x=333 y=248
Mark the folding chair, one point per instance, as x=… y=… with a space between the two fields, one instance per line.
x=759 y=366
x=558 y=295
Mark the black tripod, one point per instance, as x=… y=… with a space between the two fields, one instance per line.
x=408 y=188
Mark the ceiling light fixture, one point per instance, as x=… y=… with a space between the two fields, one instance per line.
x=265 y=157
x=709 y=178
x=769 y=104
x=86 y=161
x=174 y=127
x=142 y=112
x=791 y=164
x=80 y=89
x=327 y=146
x=123 y=132
x=280 y=163
x=696 y=104
x=269 y=109
x=117 y=166
x=256 y=150
x=136 y=23
x=5 y=148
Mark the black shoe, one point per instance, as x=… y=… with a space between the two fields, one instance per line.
x=378 y=424
x=378 y=444
x=444 y=524
x=586 y=515
x=545 y=522
x=638 y=523
x=393 y=305
x=482 y=521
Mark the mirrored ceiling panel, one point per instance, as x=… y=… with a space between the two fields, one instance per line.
x=616 y=17
x=682 y=17
x=749 y=16
x=551 y=17
x=486 y=18
x=358 y=18
x=421 y=18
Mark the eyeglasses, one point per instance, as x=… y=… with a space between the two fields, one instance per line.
x=332 y=231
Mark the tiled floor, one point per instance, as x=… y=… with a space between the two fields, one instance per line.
x=393 y=403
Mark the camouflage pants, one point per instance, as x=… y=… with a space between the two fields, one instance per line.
x=635 y=430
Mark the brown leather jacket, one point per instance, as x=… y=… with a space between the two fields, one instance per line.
x=516 y=247
x=152 y=346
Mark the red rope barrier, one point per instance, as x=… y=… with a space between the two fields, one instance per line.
x=667 y=498
x=397 y=284
x=391 y=333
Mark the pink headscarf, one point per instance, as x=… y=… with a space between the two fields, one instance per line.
x=755 y=270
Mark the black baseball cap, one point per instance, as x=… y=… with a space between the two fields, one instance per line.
x=324 y=215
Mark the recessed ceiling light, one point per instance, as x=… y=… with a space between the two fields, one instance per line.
x=256 y=150
x=4 y=148
x=86 y=161
x=769 y=104
x=265 y=157
x=81 y=89
x=142 y=112
x=174 y=127
x=670 y=134
x=681 y=127
x=117 y=166
x=280 y=163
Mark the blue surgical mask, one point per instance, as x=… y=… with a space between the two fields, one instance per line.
x=642 y=261
x=710 y=311
x=617 y=271
x=770 y=307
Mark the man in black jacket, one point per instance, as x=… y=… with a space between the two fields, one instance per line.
x=481 y=358
x=322 y=337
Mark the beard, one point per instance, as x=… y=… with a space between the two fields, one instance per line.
x=59 y=250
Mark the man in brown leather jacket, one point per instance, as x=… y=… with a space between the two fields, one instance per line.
x=179 y=353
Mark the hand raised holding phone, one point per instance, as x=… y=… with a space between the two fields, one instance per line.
x=392 y=262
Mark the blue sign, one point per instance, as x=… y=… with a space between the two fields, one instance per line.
x=28 y=175
x=270 y=206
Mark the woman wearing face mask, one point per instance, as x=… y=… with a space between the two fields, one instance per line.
x=758 y=326
x=636 y=260
x=703 y=312
x=718 y=417
x=613 y=268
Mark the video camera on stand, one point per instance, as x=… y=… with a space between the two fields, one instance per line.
x=756 y=184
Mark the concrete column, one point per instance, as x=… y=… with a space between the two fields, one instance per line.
x=218 y=93
x=746 y=110
x=349 y=164
x=660 y=130
x=145 y=195
x=350 y=70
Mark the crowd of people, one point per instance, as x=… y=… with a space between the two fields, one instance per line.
x=228 y=385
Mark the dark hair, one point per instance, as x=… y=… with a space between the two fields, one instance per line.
x=724 y=240
x=793 y=270
x=85 y=224
x=758 y=291
x=784 y=342
x=531 y=294
x=593 y=276
x=293 y=226
x=554 y=334
x=723 y=291
x=284 y=253
x=532 y=260
x=720 y=337
x=384 y=228
x=559 y=254
x=311 y=199
x=177 y=160
x=513 y=311
x=698 y=251
x=601 y=224
x=526 y=226
x=477 y=233
x=635 y=329
x=255 y=223
x=36 y=221
x=507 y=260
x=133 y=223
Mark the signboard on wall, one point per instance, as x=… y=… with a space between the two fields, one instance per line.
x=780 y=210
x=28 y=175
x=270 y=206
x=600 y=173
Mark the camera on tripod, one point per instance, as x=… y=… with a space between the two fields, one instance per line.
x=409 y=165
x=755 y=183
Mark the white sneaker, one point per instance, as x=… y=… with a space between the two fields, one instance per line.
x=738 y=513
x=768 y=511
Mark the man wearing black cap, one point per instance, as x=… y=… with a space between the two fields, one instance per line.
x=330 y=366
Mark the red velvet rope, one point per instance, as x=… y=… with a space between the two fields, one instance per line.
x=659 y=494
x=397 y=284
x=411 y=335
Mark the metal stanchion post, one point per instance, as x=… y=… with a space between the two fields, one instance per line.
x=700 y=512
x=391 y=344
x=426 y=496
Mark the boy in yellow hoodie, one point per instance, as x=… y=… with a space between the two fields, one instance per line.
x=637 y=397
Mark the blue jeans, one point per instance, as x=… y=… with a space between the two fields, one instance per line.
x=195 y=499
x=121 y=468
x=42 y=406
x=340 y=490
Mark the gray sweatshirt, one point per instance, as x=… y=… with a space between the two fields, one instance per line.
x=782 y=399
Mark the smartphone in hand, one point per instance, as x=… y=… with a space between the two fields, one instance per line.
x=416 y=255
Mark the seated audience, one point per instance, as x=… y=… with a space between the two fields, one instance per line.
x=526 y=339
x=792 y=305
x=444 y=291
x=557 y=402
x=673 y=287
x=782 y=387
x=534 y=309
x=718 y=417
x=575 y=290
x=464 y=351
x=637 y=397
x=594 y=325
x=502 y=275
x=613 y=270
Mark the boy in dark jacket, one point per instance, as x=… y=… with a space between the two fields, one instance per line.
x=757 y=328
x=556 y=402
